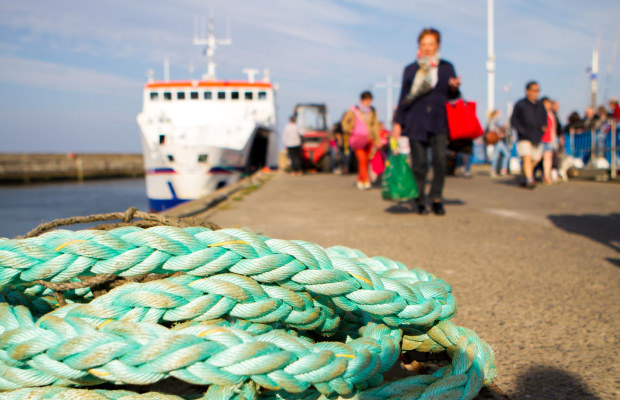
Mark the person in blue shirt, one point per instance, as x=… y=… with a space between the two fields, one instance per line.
x=529 y=119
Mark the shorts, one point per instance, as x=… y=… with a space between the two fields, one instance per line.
x=526 y=148
x=552 y=146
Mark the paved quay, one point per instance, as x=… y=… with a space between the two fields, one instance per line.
x=535 y=273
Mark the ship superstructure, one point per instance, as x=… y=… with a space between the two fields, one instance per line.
x=201 y=135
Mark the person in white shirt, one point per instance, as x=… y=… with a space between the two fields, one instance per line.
x=292 y=142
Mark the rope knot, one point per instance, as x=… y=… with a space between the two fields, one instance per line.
x=129 y=214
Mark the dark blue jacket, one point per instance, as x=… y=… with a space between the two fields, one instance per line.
x=426 y=115
x=529 y=119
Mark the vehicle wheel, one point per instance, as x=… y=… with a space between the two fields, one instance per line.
x=326 y=163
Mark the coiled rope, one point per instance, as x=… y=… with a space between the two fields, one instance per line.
x=251 y=316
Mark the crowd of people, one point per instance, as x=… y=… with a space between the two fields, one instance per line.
x=593 y=119
x=420 y=126
x=539 y=136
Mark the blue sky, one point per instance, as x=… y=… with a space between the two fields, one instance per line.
x=72 y=71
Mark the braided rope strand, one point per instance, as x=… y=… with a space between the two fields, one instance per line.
x=402 y=297
x=124 y=352
x=203 y=354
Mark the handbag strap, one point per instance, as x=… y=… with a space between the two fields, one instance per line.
x=455 y=100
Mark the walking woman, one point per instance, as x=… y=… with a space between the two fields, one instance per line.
x=361 y=127
x=501 y=146
x=428 y=84
x=549 y=142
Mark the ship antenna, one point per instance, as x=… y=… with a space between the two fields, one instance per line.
x=211 y=43
x=251 y=74
x=166 y=69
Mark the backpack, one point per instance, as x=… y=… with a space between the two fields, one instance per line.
x=360 y=134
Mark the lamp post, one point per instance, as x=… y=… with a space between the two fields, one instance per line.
x=491 y=58
x=594 y=78
x=389 y=112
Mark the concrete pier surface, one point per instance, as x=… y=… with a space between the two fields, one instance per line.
x=23 y=167
x=535 y=273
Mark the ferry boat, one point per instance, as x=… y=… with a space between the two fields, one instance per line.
x=201 y=135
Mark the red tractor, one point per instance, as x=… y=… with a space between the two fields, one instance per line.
x=312 y=121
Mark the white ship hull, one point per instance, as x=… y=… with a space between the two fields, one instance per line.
x=168 y=187
x=193 y=146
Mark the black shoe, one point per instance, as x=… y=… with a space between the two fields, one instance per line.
x=438 y=208
x=528 y=185
x=422 y=209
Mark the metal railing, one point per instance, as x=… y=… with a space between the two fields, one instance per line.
x=592 y=147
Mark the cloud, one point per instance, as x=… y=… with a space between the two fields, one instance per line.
x=165 y=28
x=320 y=22
x=317 y=50
x=47 y=75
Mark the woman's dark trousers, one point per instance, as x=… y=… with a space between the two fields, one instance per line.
x=419 y=165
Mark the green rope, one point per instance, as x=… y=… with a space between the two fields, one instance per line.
x=242 y=305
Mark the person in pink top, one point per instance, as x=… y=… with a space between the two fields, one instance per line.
x=549 y=141
x=361 y=127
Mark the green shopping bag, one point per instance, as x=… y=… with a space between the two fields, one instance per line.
x=398 y=183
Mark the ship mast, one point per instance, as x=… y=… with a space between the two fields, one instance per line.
x=211 y=43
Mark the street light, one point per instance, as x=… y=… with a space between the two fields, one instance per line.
x=389 y=112
x=491 y=58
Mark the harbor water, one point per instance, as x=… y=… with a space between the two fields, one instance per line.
x=23 y=207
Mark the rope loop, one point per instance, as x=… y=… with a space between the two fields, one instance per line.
x=250 y=316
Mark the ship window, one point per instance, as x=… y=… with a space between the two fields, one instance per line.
x=234 y=95
x=167 y=96
x=162 y=139
x=248 y=95
x=180 y=95
x=154 y=95
x=221 y=95
x=208 y=95
x=193 y=95
x=262 y=95
x=170 y=158
x=202 y=158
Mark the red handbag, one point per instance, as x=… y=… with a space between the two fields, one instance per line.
x=377 y=164
x=462 y=120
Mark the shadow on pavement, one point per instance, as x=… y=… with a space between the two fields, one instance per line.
x=453 y=202
x=543 y=382
x=604 y=229
x=614 y=261
x=400 y=208
x=407 y=207
x=509 y=181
